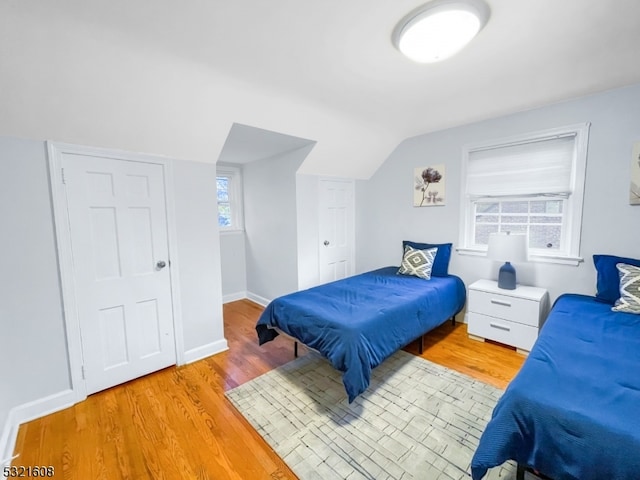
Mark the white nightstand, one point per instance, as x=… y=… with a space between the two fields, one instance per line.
x=512 y=317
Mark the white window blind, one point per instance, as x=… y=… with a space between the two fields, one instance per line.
x=531 y=183
x=542 y=166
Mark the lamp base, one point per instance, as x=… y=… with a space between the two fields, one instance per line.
x=507 y=277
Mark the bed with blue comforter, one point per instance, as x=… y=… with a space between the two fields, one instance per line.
x=359 y=321
x=573 y=411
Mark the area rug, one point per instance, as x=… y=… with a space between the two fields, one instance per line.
x=417 y=420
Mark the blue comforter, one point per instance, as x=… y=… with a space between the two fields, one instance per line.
x=573 y=411
x=359 y=321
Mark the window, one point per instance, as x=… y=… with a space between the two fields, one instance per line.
x=229 y=188
x=531 y=184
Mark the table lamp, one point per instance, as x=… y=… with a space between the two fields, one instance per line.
x=506 y=247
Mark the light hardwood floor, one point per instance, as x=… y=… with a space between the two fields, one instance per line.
x=177 y=423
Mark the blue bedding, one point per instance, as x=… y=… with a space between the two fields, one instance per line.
x=359 y=321
x=573 y=410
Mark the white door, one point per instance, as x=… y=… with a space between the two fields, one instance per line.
x=336 y=229
x=118 y=227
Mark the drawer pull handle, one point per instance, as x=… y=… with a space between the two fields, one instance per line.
x=500 y=327
x=500 y=302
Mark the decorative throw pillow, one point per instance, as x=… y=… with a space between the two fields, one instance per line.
x=629 y=300
x=441 y=262
x=417 y=262
x=608 y=281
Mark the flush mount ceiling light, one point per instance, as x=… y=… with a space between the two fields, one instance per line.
x=439 y=29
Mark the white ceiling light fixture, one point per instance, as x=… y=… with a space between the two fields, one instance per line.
x=439 y=29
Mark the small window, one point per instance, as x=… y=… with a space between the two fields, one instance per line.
x=229 y=189
x=531 y=184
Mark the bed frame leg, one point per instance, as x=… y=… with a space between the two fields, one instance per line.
x=520 y=472
x=453 y=320
x=421 y=344
x=295 y=349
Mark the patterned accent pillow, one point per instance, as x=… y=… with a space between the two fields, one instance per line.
x=629 y=300
x=417 y=262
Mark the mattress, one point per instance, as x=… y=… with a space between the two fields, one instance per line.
x=572 y=410
x=359 y=321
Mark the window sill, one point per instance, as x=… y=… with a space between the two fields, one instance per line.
x=232 y=232
x=558 y=259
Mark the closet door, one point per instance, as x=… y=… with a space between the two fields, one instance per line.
x=336 y=229
x=118 y=225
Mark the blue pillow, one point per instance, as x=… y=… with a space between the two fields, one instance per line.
x=608 y=279
x=441 y=263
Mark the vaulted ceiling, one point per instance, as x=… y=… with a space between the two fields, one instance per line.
x=172 y=77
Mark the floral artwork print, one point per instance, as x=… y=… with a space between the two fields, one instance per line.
x=634 y=190
x=429 y=186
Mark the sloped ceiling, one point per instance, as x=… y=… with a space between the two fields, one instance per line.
x=246 y=144
x=172 y=77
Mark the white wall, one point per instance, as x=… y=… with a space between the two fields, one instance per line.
x=610 y=225
x=232 y=246
x=33 y=352
x=199 y=258
x=308 y=223
x=33 y=355
x=234 y=266
x=271 y=224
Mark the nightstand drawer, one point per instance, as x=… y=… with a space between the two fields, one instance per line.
x=503 y=331
x=516 y=309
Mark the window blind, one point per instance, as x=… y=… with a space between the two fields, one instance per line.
x=539 y=167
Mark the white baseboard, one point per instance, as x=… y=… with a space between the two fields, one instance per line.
x=232 y=297
x=205 y=351
x=27 y=412
x=8 y=439
x=258 y=299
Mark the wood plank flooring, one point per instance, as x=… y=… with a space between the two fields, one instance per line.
x=177 y=423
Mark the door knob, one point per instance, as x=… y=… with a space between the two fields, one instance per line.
x=326 y=243
x=161 y=264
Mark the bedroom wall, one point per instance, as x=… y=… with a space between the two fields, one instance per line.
x=33 y=354
x=234 y=266
x=308 y=231
x=199 y=258
x=610 y=225
x=271 y=224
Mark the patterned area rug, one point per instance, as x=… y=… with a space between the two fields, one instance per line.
x=417 y=420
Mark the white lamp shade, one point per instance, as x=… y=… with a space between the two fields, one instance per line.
x=505 y=247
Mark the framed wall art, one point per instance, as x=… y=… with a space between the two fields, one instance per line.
x=429 y=186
